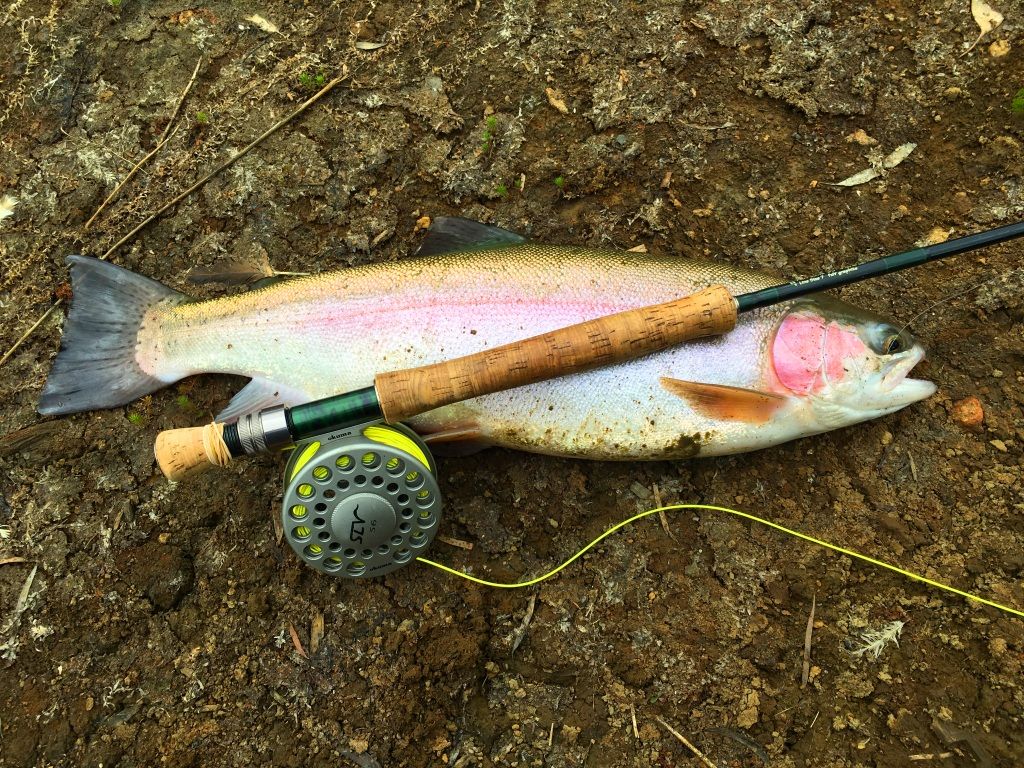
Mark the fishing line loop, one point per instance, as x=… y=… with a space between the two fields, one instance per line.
x=746 y=515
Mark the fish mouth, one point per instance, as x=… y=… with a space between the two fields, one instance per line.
x=896 y=384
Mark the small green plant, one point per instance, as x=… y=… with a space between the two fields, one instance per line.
x=114 y=4
x=560 y=181
x=1017 y=105
x=183 y=401
x=202 y=117
x=135 y=418
x=309 y=82
x=487 y=139
x=501 y=190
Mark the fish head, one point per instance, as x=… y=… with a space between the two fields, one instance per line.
x=846 y=364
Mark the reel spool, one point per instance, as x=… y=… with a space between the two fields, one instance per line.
x=361 y=501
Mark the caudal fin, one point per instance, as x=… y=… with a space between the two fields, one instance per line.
x=96 y=366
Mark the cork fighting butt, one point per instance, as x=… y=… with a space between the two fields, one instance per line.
x=181 y=453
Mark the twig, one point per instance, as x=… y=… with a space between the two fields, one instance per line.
x=662 y=517
x=125 y=180
x=454 y=542
x=181 y=101
x=36 y=324
x=686 y=743
x=933 y=756
x=164 y=137
x=807 y=644
x=228 y=163
x=521 y=632
x=11 y=560
x=632 y=713
x=551 y=734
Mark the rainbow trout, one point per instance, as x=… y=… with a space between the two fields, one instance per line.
x=784 y=372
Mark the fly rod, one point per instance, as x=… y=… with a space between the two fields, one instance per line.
x=399 y=395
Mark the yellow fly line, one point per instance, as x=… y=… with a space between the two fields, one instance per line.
x=745 y=515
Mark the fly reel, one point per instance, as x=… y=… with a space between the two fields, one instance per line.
x=361 y=501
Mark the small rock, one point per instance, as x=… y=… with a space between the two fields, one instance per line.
x=968 y=413
x=887 y=438
x=642 y=492
x=748 y=716
x=999 y=48
x=999 y=445
x=860 y=137
x=555 y=100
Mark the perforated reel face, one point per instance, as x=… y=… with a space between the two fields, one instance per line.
x=361 y=502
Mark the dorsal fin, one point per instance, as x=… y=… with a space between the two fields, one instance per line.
x=452 y=233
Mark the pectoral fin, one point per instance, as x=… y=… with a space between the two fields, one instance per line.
x=717 y=401
x=460 y=439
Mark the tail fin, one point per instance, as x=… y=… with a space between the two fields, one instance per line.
x=96 y=366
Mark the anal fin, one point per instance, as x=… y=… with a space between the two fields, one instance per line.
x=718 y=401
x=258 y=394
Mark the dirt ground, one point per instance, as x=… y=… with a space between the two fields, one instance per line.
x=157 y=629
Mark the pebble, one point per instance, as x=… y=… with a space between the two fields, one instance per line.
x=999 y=445
x=968 y=413
x=642 y=492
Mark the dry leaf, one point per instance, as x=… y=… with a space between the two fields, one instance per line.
x=889 y=162
x=898 y=155
x=863 y=177
x=296 y=642
x=556 y=101
x=7 y=205
x=364 y=45
x=987 y=18
x=262 y=23
x=316 y=632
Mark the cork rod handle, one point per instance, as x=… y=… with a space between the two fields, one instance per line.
x=580 y=347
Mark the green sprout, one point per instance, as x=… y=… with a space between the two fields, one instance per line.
x=487 y=139
x=114 y=4
x=309 y=82
x=560 y=181
x=1017 y=105
x=135 y=418
x=501 y=190
x=202 y=117
x=183 y=402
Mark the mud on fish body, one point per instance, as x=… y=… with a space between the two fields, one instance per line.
x=785 y=371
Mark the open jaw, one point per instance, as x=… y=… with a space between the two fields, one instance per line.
x=900 y=389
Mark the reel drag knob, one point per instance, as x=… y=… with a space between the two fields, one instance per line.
x=361 y=502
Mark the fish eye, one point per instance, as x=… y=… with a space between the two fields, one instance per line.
x=894 y=344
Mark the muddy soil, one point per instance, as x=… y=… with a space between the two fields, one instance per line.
x=153 y=625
